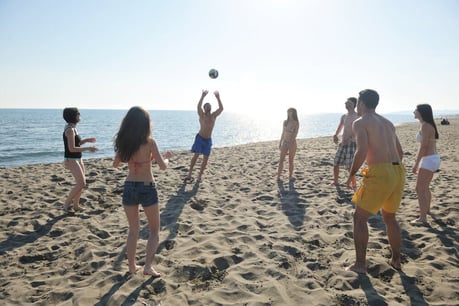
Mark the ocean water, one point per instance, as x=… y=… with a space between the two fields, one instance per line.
x=31 y=136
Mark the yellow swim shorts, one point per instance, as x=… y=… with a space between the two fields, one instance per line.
x=382 y=187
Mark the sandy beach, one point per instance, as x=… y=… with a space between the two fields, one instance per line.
x=236 y=238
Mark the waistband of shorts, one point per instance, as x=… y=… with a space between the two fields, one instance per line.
x=389 y=164
x=436 y=155
x=72 y=158
x=132 y=183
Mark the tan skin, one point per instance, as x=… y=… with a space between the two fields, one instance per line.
x=424 y=176
x=140 y=171
x=207 y=122
x=376 y=143
x=288 y=145
x=76 y=167
x=344 y=125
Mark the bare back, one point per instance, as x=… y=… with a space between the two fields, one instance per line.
x=376 y=136
x=140 y=163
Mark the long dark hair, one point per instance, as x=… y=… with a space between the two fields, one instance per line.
x=294 y=115
x=134 y=131
x=425 y=110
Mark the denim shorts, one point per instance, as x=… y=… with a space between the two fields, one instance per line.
x=135 y=193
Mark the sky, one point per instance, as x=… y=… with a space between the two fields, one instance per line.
x=270 y=54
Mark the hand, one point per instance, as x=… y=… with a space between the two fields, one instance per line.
x=349 y=183
x=415 y=169
x=167 y=155
x=217 y=94
x=204 y=93
x=91 y=139
x=92 y=149
x=335 y=139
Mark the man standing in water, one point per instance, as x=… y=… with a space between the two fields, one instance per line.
x=203 y=140
x=346 y=148
x=383 y=181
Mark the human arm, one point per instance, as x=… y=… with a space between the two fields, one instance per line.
x=399 y=148
x=282 y=133
x=338 y=130
x=220 y=105
x=92 y=140
x=116 y=161
x=70 y=134
x=360 y=155
x=199 y=108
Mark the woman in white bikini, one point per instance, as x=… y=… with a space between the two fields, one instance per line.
x=427 y=160
x=135 y=146
x=287 y=144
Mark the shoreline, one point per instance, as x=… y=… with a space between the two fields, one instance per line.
x=236 y=238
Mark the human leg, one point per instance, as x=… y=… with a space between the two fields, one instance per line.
x=395 y=238
x=337 y=162
x=132 y=214
x=280 y=168
x=77 y=171
x=205 y=158
x=423 y=191
x=193 y=162
x=360 y=240
x=152 y=213
x=335 y=175
x=76 y=199
x=291 y=158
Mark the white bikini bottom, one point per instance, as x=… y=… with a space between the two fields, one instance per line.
x=430 y=162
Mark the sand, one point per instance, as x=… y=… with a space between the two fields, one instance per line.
x=236 y=238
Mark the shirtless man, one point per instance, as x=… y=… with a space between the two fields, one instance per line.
x=203 y=140
x=346 y=148
x=383 y=180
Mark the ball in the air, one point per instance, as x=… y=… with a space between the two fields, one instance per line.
x=213 y=73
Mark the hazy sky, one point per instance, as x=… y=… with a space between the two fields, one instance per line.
x=271 y=54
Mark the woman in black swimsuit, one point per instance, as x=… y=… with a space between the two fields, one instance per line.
x=72 y=157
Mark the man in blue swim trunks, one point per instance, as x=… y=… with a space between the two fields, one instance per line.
x=203 y=140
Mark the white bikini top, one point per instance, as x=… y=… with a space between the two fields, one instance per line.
x=419 y=137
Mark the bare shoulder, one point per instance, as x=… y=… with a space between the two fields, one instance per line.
x=151 y=141
x=427 y=128
x=69 y=131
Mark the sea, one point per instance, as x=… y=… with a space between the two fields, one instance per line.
x=34 y=136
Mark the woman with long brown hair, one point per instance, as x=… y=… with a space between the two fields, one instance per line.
x=287 y=144
x=427 y=160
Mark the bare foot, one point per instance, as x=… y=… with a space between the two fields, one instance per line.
x=78 y=208
x=136 y=269
x=67 y=207
x=396 y=265
x=357 y=269
x=151 y=272
x=419 y=222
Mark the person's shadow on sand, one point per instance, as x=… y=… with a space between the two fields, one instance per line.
x=372 y=295
x=17 y=241
x=172 y=212
x=290 y=203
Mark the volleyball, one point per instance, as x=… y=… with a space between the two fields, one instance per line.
x=213 y=73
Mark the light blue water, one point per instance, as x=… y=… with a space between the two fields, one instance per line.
x=31 y=136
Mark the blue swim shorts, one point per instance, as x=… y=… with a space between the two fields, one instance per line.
x=202 y=145
x=135 y=193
